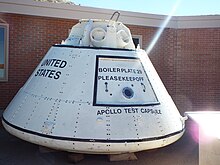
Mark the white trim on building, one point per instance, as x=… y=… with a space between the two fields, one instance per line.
x=70 y=11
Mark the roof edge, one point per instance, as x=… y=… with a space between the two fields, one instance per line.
x=71 y=11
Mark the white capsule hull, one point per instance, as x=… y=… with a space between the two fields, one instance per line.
x=92 y=147
x=94 y=100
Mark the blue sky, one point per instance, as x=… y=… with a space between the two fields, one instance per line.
x=185 y=8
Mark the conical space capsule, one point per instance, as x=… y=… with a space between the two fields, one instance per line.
x=95 y=93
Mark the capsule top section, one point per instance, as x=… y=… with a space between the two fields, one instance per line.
x=100 y=33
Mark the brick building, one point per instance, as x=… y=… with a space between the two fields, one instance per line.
x=186 y=56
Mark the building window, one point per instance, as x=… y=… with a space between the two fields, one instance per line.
x=4 y=52
x=137 y=39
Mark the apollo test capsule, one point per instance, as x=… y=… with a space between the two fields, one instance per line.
x=95 y=93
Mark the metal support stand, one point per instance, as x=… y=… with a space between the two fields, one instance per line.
x=121 y=157
x=75 y=158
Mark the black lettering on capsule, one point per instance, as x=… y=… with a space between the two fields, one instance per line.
x=151 y=111
x=120 y=78
x=54 y=62
x=109 y=111
x=131 y=110
x=139 y=72
x=46 y=62
x=57 y=75
x=37 y=73
x=119 y=70
x=51 y=73
x=48 y=73
x=63 y=64
x=57 y=63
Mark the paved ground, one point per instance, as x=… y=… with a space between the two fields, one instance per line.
x=14 y=151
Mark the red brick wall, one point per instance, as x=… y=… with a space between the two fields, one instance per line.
x=198 y=69
x=187 y=60
x=30 y=37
